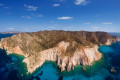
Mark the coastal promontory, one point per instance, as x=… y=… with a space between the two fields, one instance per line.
x=66 y=48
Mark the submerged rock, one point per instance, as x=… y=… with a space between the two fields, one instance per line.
x=66 y=48
x=83 y=68
x=57 y=73
x=13 y=75
x=60 y=78
x=41 y=73
x=37 y=78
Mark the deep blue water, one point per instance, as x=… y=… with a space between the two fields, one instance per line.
x=5 y=35
x=12 y=68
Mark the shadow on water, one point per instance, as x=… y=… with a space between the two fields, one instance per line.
x=12 y=67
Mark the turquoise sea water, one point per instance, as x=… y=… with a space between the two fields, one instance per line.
x=12 y=68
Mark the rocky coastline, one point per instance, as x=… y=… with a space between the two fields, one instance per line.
x=66 y=48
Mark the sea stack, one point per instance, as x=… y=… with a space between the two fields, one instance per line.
x=66 y=48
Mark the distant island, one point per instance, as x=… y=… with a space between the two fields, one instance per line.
x=10 y=32
x=66 y=48
x=115 y=33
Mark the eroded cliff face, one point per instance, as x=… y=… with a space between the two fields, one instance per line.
x=67 y=49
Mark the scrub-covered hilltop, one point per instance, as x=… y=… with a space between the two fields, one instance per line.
x=66 y=48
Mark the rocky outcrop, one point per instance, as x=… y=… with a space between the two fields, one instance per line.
x=66 y=48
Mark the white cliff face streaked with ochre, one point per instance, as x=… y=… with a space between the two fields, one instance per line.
x=67 y=53
x=85 y=56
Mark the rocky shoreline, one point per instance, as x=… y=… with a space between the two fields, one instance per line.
x=66 y=48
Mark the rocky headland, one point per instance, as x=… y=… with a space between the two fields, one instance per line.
x=66 y=48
